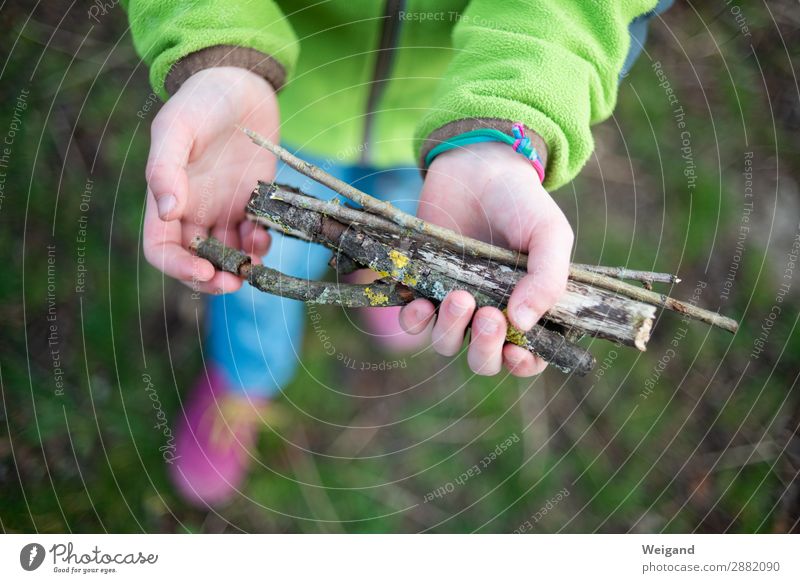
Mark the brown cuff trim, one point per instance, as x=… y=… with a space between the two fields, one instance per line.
x=225 y=56
x=462 y=126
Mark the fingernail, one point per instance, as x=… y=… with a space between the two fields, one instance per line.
x=525 y=317
x=457 y=308
x=165 y=204
x=487 y=326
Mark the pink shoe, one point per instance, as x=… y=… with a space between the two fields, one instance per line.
x=214 y=441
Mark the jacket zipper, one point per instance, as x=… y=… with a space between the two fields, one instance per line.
x=390 y=32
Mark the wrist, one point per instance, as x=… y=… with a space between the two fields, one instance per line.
x=226 y=76
x=470 y=130
x=482 y=162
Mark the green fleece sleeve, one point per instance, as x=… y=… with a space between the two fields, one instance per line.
x=553 y=65
x=201 y=33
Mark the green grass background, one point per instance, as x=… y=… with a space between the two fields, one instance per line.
x=712 y=449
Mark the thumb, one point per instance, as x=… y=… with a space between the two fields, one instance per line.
x=170 y=144
x=548 y=268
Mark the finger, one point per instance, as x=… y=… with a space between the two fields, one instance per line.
x=164 y=250
x=416 y=316
x=520 y=362
x=548 y=267
x=485 y=354
x=454 y=316
x=255 y=239
x=228 y=234
x=222 y=282
x=170 y=145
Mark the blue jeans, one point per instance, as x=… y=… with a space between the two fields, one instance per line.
x=256 y=338
x=638 y=31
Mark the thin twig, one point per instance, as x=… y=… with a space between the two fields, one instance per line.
x=632 y=274
x=384 y=209
x=347 y=295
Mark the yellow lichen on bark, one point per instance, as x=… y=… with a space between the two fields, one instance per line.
x=398 y=259
x=400 y=262
x=513 y=334
x=376 y=298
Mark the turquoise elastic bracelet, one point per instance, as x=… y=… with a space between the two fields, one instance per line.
x=519 y=142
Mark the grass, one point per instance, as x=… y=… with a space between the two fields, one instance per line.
x=367 y=451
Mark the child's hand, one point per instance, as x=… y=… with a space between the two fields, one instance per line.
x=201 y=171
x=487 y=191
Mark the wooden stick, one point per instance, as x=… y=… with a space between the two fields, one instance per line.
x=478 y=248
x=347 y=295
x=468 y=245
x=645 y=277
x=657 y=299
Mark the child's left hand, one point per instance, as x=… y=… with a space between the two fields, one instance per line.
x=488 y=192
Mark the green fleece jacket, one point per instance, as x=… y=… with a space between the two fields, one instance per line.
x=384 y=82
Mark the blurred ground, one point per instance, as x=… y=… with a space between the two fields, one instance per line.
x=697 y=434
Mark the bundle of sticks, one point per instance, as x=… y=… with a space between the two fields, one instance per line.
x=415 y=259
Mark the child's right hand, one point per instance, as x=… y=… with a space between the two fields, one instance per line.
x=201 y=171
